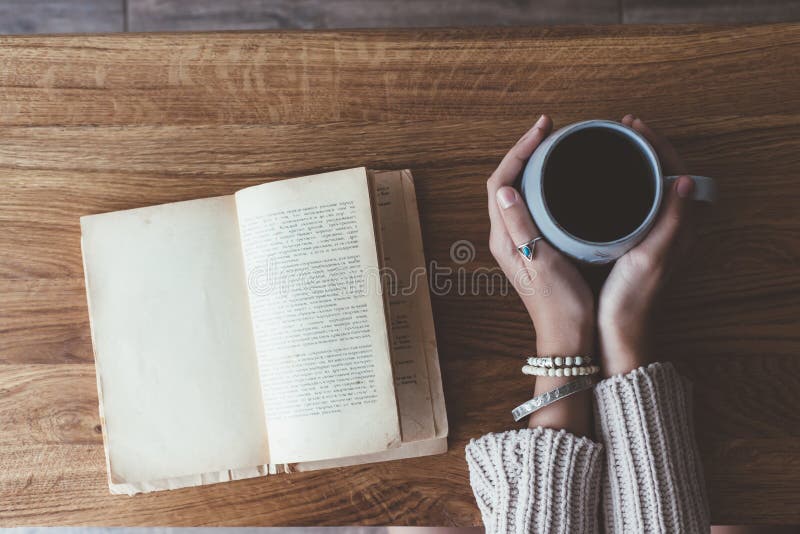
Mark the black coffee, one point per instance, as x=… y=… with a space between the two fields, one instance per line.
x=598 y=185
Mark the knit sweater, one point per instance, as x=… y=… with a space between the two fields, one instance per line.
x=645 y=469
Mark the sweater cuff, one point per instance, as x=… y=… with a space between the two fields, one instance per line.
x=655 y=483
x=535 y=480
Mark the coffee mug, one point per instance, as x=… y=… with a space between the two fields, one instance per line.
x=579 y=166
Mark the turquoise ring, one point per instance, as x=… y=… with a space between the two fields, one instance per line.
x=527 y=248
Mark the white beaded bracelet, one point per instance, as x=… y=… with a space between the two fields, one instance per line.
x=561 y=371
x=559 y=361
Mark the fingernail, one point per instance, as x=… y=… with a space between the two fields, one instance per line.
x=684 y=186
x=506 y=197
x=537 y=125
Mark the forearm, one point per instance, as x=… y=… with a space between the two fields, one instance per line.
x=545 y=478
x=623 y=344
x=654 y=480
x=536 y=480
x=574 y=413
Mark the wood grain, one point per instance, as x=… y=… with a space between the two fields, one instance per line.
x=61 y=16
x=100 y=123
x=172 y=15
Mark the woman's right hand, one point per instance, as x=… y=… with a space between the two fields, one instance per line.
x=630 y=291
x=557 y=297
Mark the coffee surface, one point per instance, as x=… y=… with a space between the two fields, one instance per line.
x=598 y=185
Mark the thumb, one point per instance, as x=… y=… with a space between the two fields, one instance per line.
x=675 y=216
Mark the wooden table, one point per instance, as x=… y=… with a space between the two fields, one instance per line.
x=93 y=124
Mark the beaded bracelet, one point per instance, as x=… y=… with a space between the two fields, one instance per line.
x=561 y=371
x=558 y=361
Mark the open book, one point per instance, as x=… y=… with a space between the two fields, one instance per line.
x=285 y=328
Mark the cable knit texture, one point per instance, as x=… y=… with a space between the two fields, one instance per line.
x=653 y=480
x=536 y=480
x=543 y=480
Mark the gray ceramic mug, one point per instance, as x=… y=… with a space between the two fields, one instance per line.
x=590 y=251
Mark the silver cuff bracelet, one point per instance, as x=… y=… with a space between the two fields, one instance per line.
x=540 y=401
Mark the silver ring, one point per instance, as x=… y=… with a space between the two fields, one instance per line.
x=527 y=248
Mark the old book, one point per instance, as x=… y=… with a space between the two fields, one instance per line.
x=287 y=327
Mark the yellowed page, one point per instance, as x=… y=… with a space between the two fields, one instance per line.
x=321 y=336
x=413 y=449
x=176 y=365
x=416 y=340
x=408 y=352
x=422 y=304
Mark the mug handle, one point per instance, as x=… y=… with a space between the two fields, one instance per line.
x=705 y=189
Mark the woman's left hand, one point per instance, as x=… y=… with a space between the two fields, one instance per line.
x=634 y=283
x=555 y=294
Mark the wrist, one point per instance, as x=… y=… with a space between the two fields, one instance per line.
x=623 y=347
x=572 y=414
x=577 y=342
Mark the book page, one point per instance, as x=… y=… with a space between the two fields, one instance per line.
x=176 y=365
x=321 y=334
x=414 y=342
x=421 y=298
x=405 y=280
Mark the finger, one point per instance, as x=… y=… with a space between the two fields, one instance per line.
x=519 y=224
x=512 y=164
x=673 y=163
x=628 y=119
x=515 y=159
x=674 y=220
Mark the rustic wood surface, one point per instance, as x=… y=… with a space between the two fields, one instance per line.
x=93 y=124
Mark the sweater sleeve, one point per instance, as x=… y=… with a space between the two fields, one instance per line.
x=654 y=479
x=536 y=480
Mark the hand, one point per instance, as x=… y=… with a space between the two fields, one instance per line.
x=556 y=296
x=630 y=291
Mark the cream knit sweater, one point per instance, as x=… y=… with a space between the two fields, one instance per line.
x=646 y=467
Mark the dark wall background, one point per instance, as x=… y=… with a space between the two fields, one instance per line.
x=79 y=16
